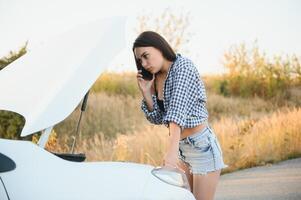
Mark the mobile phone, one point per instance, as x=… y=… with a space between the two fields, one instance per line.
x=145 y=74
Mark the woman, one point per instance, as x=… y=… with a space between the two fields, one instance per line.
x=175 y=96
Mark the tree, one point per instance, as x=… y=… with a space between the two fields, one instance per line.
x=174 y=28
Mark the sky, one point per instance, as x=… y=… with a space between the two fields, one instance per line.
x=215 y=25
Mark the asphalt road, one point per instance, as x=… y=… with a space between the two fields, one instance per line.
x=280 y=181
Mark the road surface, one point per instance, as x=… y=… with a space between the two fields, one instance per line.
x=280 y=181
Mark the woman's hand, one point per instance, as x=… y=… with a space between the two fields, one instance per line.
x=144 y=85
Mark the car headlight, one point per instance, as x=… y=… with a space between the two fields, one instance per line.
x=172 y=176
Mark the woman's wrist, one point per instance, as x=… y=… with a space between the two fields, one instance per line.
x=173 y=148
x=171 y=158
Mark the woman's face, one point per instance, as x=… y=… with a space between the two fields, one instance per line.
x=150 y=58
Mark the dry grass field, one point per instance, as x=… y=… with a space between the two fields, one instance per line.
x=251 y=131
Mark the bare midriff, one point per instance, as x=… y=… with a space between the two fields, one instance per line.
x=190 y=131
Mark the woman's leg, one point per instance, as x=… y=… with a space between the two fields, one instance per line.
x=189 y=176
x=204 y=186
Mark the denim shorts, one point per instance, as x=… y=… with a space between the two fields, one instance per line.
x=202 y=152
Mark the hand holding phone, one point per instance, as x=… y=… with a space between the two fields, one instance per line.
x=146 y=75
x=143 y=84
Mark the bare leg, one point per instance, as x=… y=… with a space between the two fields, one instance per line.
x=189 y=176
x=204 y=186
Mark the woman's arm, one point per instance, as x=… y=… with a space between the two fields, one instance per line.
x=171 y=157
x=148 y=100
x=149 y=104
x=151 y=109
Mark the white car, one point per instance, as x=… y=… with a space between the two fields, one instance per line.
x=45 y=86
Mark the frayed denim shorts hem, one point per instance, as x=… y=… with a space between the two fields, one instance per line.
x=202 y=152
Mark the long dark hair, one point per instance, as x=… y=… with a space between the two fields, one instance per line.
x=153 y=39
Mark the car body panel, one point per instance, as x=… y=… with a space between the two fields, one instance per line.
x=40 y=174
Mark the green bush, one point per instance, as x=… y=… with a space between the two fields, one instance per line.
x=11 y=124
x=251 y=73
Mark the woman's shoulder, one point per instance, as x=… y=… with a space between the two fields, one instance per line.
x=184 y=63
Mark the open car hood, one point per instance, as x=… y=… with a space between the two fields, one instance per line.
x=47 y=83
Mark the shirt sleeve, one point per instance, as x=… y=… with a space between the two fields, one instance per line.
x=184 y=94
x=154 y=116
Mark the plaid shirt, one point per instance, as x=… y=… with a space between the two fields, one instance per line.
x=184 y=97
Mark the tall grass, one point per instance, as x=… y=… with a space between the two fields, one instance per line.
x=272 y=138
x=245 y=143
x=124 y=83
x=113 y=114
x=111 y=111
x=237 y=107
x=108 y=114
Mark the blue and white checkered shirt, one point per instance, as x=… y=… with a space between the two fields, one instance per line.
x=184 y=97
